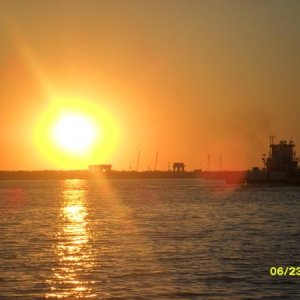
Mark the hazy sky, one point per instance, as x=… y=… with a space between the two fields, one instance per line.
x=181 y=77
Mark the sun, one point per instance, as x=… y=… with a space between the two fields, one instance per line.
x=74 y=133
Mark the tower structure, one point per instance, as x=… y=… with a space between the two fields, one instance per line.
x=178 y=167
x=282 y=157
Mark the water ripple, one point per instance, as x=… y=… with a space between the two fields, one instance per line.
x=147 y=239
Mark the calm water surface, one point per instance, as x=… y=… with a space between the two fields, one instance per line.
x=147 y=239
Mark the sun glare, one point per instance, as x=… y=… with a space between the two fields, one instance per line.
x=74 y=133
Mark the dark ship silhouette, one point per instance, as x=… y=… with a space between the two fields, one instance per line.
x=280 y=166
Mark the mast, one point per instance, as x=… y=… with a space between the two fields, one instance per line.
x=155 y=163
x=138 y=161
x=271 y=144
x=208 y=162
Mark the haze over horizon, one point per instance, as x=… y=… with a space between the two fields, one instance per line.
x=184 y=78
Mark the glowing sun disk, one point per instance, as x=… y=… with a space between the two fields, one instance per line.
x=74 y=133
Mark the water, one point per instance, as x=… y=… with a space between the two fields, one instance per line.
x=147 y=239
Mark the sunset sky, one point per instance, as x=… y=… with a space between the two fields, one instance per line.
x=184 y=78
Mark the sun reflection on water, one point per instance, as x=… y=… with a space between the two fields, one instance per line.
x=73 y=249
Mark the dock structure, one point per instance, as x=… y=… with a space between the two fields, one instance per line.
x=102 y=168
x=178 y=167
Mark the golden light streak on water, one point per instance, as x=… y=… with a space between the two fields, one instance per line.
x=73 y=246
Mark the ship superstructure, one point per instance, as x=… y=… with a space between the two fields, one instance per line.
x=281 y=165
x=282 y=157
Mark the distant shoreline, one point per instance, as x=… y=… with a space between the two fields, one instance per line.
x=229 y=176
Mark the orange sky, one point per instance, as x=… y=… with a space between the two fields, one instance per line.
x=184 y=78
